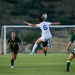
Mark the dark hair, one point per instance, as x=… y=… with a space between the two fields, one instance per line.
x=40 y=17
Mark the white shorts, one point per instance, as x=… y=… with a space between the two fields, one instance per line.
x=45 y=38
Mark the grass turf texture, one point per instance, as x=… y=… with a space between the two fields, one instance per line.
x=52 y=64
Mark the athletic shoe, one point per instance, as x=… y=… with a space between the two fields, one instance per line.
x=45 y=54
x=12 y=66
x=32 y=53
x=66 y=70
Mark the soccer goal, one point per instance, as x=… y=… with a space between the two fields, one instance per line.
x=61 y=35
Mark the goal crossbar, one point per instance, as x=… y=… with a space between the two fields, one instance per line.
x=52 y=26
x=3 y=31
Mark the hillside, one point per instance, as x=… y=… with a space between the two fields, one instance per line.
x=16 y=11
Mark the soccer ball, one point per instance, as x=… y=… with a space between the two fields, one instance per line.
x=44 y=16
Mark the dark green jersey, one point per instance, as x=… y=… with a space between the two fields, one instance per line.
x=14 y=44
x=72 y=39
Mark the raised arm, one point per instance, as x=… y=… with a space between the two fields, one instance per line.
x=29 y=23
x=54 y=23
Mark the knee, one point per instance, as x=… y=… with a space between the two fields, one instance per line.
x=13 y=58
x=36 y=42
x=45 y=48
x=69 y=60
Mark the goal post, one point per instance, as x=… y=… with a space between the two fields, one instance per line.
x=4 y=30
x=3 y=33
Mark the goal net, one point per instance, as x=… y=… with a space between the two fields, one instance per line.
x=60 y=37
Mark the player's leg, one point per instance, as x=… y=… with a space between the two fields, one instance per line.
x=71 y=56
x=35 y=46
x=12 y=59
x=45 y=50
x=45 y=47
x=15 y=54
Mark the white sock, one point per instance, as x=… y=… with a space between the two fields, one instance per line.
x=34 y=47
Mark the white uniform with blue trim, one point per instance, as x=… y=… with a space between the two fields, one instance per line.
x=46 y=34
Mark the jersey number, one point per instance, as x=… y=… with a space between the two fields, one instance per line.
x=45 y=27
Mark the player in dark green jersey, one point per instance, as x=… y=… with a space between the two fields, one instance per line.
x=15 y=46
x=72 y=55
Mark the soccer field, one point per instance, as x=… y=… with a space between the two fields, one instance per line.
x=52 y=64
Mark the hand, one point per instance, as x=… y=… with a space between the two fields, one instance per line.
x=30 y=24
x=67 y=49
x=25 y=22
x=7 y=49
x=20 y=50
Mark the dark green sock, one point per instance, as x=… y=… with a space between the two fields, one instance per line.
x=45 y=52
x=68 y=66
x=12 y=62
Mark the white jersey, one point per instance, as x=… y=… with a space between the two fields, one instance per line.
x=44 y=26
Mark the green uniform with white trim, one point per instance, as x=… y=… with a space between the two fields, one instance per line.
x=72 y=39
x=14 y=44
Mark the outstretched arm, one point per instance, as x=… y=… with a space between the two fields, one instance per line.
x=54 y=23
x=29 y=23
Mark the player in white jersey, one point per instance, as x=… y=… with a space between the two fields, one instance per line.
x=44 y=26
x=46 y=34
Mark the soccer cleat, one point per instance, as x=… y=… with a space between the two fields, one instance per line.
x=32 y=53
x=12 y=66
x=66 y=70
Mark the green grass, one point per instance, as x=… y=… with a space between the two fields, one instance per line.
x=52 y=64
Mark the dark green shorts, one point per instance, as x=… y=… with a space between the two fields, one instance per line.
x=15 y=51
x=73 y=53
x=45 y=43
